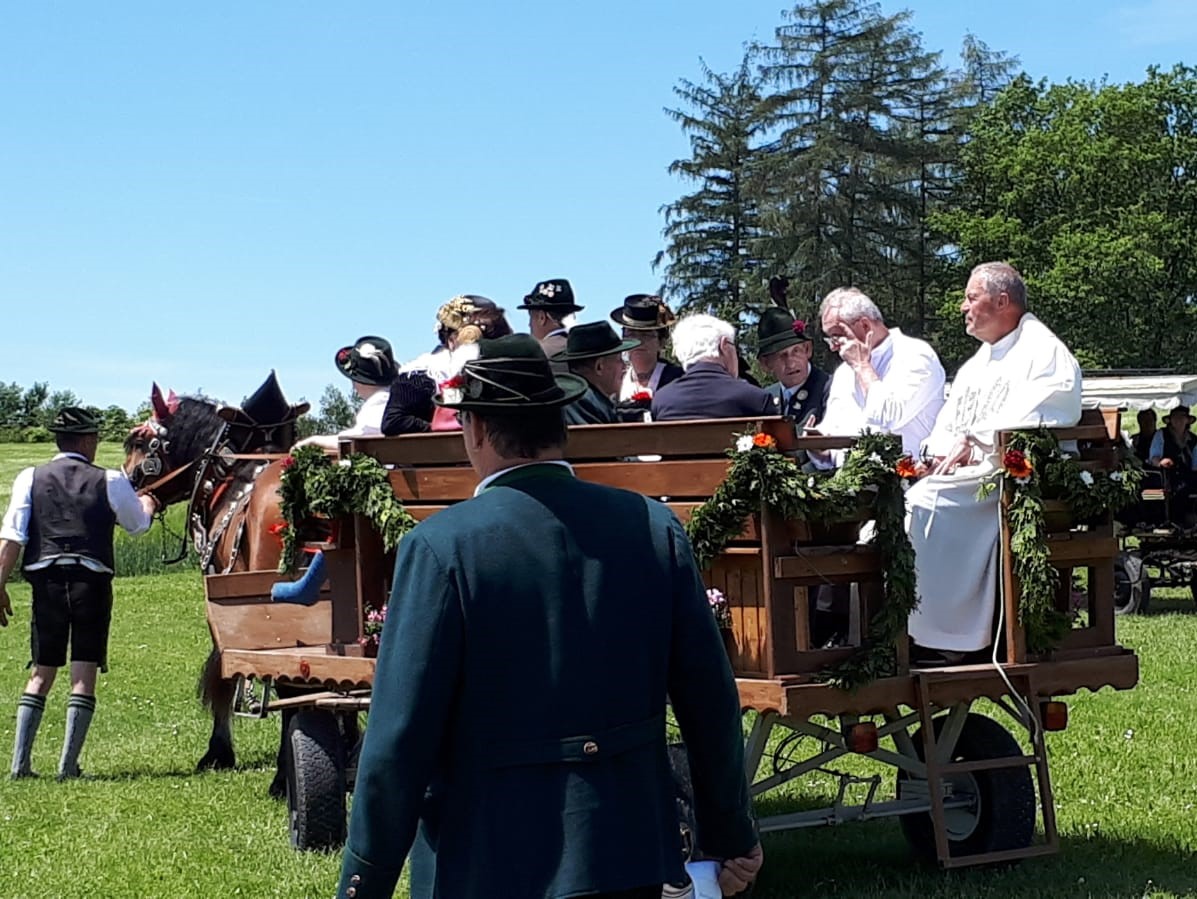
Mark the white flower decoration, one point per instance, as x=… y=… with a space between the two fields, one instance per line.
x=548 y=290
x=369 y=351
x=810 y=482
x=744 y=443
x=451 y=395
x=876 y=458
x=1115 y=476
x=1087 y=478
x=344 y=463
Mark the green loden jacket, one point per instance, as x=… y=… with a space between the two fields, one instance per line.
x=532 y=637
x=591 y=408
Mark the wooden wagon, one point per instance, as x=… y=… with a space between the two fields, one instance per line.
x=967 y=790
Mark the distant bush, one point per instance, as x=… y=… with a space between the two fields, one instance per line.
x=36 y=434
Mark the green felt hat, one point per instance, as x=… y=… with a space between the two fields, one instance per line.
x=778 y=329
x=75 y=420
x=591 y=340
x=511 y=374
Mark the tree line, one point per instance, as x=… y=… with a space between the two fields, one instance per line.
x=844 y=152
x=26 y=413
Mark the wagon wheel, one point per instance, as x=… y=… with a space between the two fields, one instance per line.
x=316 y=780
x=1002 y=815
x=1132 y=586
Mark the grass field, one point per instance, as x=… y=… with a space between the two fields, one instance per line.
x=1125 y=774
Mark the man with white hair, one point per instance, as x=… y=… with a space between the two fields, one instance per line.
x=889 y=382
x=1022 y=376
x=710 y=387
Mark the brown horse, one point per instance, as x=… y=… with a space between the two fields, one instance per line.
x=218 y=459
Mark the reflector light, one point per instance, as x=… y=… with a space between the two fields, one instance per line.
x=1054 y=714
x=862 y=737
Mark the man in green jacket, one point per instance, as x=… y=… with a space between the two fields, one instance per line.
x=594 y=353
x=533 y=635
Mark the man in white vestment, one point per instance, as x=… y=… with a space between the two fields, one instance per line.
x=888 y=382
x=1022 y=376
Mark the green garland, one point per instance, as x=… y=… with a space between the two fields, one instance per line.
x=760 y=475
x=314 y=483
x=1033 y=471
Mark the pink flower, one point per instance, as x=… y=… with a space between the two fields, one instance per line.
x=800 y=327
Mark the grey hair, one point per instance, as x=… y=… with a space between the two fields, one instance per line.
x=697 y=337
x=851 y=305
x=1001 y=277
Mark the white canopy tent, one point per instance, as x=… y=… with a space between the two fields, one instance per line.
x=1136 y=392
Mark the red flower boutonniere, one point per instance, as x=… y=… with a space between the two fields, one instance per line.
x=641 y=398
x=799 y=327
x=1017 y=464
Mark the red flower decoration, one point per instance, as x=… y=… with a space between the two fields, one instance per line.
x=457 y=382
x=277 y=530
x=765 y=441
x=641 y=396
x=906 y=468
x=800 y=327
x=342 y=357
x=287 y=462
x=1017 y=464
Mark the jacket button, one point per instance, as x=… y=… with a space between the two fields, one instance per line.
x=356 y=878
x=351 y=892
x=590 y=747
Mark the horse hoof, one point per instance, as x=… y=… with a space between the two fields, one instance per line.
x=278 y=787
x=216 y=761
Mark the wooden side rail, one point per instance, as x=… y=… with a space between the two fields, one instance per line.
x=1093 y=549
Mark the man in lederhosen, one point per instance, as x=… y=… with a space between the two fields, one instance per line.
x=63 y=513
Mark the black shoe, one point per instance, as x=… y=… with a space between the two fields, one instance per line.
x=24 y=775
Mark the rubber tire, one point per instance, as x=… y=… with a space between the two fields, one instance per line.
x=1130 y=595
x=1007 y=801
x=316 y=781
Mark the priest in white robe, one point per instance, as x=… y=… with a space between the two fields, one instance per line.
x=1022 y=376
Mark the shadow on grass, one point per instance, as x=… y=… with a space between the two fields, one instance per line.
x=1170 y=606
x=252 y=762
x=874 y=860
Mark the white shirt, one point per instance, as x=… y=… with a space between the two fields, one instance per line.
x=122 y=498
x=1026 y=379
x=486 y=481
x=368 y=421
x=905 y=401
x=630 y=387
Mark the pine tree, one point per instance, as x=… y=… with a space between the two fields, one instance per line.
x=709 y=261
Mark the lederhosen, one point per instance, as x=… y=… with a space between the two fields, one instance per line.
x=71 y=525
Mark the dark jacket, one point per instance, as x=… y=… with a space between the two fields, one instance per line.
x=409 y=405
x=532 y=637
x=70 y=513
x=810 y=399
x=591 y=408
x=706 y=390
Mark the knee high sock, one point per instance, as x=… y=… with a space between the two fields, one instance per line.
x=29 y=717
x=80 y=708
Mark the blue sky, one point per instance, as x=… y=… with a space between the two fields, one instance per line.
x=196 y=194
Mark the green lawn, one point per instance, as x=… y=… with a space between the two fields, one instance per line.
x=1125 y=777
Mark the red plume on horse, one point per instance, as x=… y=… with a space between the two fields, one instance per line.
x=224 y=462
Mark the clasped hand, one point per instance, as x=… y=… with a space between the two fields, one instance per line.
x=737 y=874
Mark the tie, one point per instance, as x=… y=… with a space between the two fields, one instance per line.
x=790 y=405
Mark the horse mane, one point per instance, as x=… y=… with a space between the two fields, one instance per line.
x=193 y=427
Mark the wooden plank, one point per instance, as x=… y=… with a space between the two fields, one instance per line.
x=238 y=584
x=829 y=564
x=1080 y=547
x=244 y=624
x=311 y=665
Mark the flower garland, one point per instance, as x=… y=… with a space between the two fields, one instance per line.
x=313 y=483
x=1034 y=470
x=759 y=474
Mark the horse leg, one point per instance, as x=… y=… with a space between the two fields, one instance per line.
x=217 y=694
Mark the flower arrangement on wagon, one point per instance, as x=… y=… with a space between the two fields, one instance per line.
x=1034 y=471
x=315 y=484
x=760 y=474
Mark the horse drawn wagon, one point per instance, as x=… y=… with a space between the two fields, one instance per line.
x=969 y=787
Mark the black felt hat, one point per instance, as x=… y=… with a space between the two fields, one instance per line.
x=591 y=340
x=643 y=312
x=368 y=361
x=74 y=420
x=778 y=329
x=511 y=374
x=553 y=295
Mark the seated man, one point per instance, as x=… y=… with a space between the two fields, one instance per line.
x=784 y=350
x=1172 y=452
x=710 y=387
x=370 y=365
x=1148 y=427
x=889 y=382
x=594 y=352
x=551 y=308
x=1021 y=376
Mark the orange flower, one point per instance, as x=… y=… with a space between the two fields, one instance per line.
x=906 y=468
x=764 y=441
x=1017 y=464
